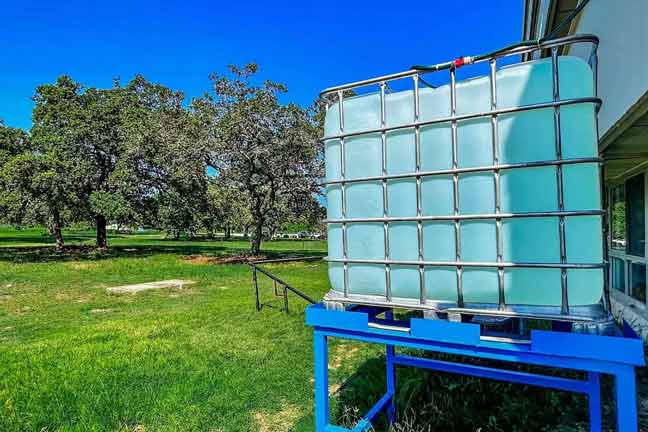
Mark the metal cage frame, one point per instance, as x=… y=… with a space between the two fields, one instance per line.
x=565 y=311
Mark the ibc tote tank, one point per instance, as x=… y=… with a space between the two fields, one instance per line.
x=469 y=204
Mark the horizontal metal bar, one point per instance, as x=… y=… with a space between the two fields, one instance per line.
x=469 y=216
x=567 y=40
x=462 y=117
x=566 y=384
x=468 y=263
x=484 y=168
x=294 y=290
x=587 y=313
x=285 y=260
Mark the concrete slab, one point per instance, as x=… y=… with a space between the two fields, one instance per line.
x=128 y=289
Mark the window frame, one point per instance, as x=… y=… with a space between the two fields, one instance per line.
x=626 y=258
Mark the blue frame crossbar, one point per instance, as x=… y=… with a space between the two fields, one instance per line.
x=617 y=356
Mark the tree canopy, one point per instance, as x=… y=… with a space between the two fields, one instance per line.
x=139 y=155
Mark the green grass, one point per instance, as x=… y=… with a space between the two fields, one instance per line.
x=73 y=357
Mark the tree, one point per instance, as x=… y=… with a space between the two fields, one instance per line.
x=269 y=150
x=228 y=208
x=13 y=141
x=127 y=149
x=37 y=189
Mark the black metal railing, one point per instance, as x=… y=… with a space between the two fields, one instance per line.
x=281 y=288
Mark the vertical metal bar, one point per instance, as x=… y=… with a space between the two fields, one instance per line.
x=255 y=282
x=455 y=182
x=564 y=307
x=594 y=401
x=285 y=296
x=419 y=203
x=345 y=248
x=625 y=392
x=496 y=180
x=320 y=344
x=383 y=137
x=604 y=201
x=391 y=375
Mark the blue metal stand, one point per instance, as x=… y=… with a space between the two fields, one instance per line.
x=617 y=356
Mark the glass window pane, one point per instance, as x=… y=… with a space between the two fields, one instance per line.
x=638 y=288
x=618 y=214
x=636 y=215
x=618 y=274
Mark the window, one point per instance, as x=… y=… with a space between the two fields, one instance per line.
x=638 y=280
x=628 y=238
x=618 y=274
x=618 y=214
x=635 y=213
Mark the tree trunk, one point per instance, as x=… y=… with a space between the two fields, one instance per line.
x=102 y=237
x=257 y=234
x=56 y=230
x=228 y=232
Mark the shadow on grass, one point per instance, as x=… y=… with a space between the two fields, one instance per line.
x=41 y=254
x=429 y=400
x=43 y=239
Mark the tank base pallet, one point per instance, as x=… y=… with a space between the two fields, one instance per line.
x=617 y=356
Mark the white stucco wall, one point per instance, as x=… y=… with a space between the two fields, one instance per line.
x=622 y=26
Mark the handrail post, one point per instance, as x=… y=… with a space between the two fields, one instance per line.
x=285 y=293
x=256 y=287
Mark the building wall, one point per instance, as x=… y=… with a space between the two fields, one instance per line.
x=622 y=27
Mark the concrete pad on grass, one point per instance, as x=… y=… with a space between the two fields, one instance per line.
x=128 y=289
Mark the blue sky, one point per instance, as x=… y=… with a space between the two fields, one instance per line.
x=306 y=45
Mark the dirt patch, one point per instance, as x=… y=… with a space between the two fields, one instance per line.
x=230 y=259
x=281 y=421
x=63 y=296
x=81 y=265
x=100 y=311
x=341 y=353
x=23 y=310
x=128 y=289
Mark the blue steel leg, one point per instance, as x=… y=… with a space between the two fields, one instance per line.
x=594 y=399
x=391 y=377
x=626 y=399
x=321 y=381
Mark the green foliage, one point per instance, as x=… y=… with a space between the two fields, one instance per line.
x=618 y=220
x=257 y=145
x=430 y=401
x=133 y=155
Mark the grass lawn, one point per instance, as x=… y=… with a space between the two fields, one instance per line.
x=200 y=358
x=73 y=357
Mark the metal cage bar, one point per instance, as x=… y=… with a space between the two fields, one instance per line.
x=345 y=248
x=469 y=216
x=455 y=182
x=383 y=139
x=465 y=170
x=493 y=114
x=567 y=40
x=559 y=181
x=419 y=201
x=448 y=119
x=496 y=181
x=494 y=264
